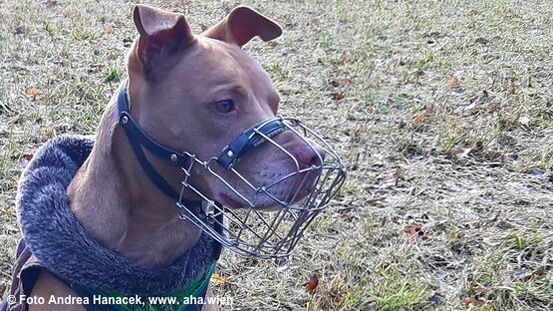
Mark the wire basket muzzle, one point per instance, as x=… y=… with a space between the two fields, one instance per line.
x=304 y=190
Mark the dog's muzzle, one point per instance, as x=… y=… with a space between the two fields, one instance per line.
x=272 y=230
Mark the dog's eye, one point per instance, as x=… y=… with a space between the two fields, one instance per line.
x=225 y=106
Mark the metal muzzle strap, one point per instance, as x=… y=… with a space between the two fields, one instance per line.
x=248 y=140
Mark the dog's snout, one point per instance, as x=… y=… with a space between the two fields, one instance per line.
x=308 y=155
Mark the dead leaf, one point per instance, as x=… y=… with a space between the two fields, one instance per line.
x=494 y=155
x=51 y=132
x=476 y=301
x=482 y=40
x=51 y=3
x=511 y=88
x=416 y=234
x=32 y=91
x=340 y=83
x=311 y=286
x=28 y=157
x=478 y=146
x=312 y=305
x=485 y=96
x=338 y=95
x=203 y=27
x=109 y=29
x=467 y=300
x=398 y=174
x=345 y=212
x=453 y=82
x=218 y=278
x=421 y=116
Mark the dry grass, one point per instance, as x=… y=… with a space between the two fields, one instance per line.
x=446 y=123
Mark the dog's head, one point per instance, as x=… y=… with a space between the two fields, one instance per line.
x=199 y=92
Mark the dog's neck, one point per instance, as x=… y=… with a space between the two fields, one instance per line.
x=119 y=206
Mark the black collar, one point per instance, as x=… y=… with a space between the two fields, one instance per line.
x=138 y=139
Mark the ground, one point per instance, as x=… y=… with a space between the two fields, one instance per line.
x=442 y=110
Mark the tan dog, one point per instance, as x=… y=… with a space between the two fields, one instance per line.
x=190 y=93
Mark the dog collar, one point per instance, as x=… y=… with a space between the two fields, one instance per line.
x=138 y=139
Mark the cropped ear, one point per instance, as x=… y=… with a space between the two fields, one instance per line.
x=241 y=25
x=161 y=34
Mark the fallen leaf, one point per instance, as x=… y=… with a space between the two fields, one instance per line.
x=467 y=300
x=346 y=82
x=344 y=212
x=340 y=83
x=453 y=82
x=476 y=301
x=494 y=155
x=28 y=157
x=109 y=29
x=420 y=117
x=311 y=286
x=51 y=3
x=32 y=91
x=203 y=27
x=312 y=305
x=414 y=228
x=511 y=88
x=482 y=40
x=416 y=234
x=218 y=278
x=478 y=146
x=338 y=95
x=51 y=133
x=485 y=96
x=398 y=174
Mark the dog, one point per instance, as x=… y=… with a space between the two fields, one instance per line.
x=189 y=92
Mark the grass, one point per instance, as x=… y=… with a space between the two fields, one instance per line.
x=441 y=109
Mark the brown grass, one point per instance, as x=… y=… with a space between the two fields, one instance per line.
x=445 y=122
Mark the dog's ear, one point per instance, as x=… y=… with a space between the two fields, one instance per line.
x=241 y=25
x=161 y=33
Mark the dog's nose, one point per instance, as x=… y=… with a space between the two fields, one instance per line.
x=308 y=155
